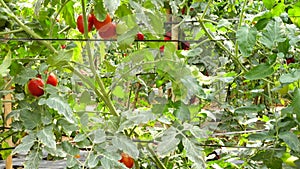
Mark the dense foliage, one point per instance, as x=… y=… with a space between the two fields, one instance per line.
x=163 y=81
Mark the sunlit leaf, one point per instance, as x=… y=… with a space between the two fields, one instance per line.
x=168 y=142
x=46 y=136
x=260 y=71
x=5 y=63
x=246 y=39
x=26 y=144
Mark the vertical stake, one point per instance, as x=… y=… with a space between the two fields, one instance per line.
x=7 y=122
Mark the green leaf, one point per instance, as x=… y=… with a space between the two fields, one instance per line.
x=37 y=6
x=100 y=11
x=33 y=159
x=118 y=91
x=183 y=113
x=193 y=153
x=5 y=64
x=5 y=153
x=69 y=148
x=112 y=5
x=249 y=109
x=92 y=160
x=260 y=71
x=278 y=9
x=25 y=75
x=246 y=39
x=291 y=140
x=294 y=14
x=168 y=142
x=273 y=33
x=30 y=119
x=79 y=137
x=126 y=145
x=98 y=136
x=68 y=14
x=46 y=136
x=123 y=10
x=85 y=97
x=290 y=77
x=127 y=38
x=60 y=106
x=296 y=102
x=269 y=3
x=26 y=144
x=136 y=117
x=61 y=59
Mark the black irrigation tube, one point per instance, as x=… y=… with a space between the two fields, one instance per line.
x=66 y=39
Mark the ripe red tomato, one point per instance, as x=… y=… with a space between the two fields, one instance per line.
x=80 y=26
x=127 y=160
x=36 y=87
x=290 y=60
x=168 y=36
x=140 y=36
x=52 y=79
x=108 y=31
x=99 y=24
x=63 y=46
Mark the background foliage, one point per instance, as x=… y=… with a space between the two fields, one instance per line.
x=166 y=109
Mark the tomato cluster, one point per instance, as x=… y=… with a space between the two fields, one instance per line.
x=106 y=28
x=35 y=86
x=127 y=160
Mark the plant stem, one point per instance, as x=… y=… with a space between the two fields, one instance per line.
x=26 y=28
x=155 y=158
x=13 y=31
x=102 y=91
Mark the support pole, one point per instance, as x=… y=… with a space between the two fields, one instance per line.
x=7 y=110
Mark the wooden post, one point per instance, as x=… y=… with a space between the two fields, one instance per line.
x=7 y=122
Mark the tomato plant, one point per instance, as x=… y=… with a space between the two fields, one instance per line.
x=210 y=76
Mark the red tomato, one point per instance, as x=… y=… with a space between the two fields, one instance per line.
x=36 y=87
x=127 y=160
x=140 y=36
x=108 y=31
x=52 y=79
x=99 y=24
x=80 y=26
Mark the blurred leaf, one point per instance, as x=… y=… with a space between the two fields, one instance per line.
x=127 y=38
x=37 y=6
x=85 y=97
x=5 y=64
x=25 y=75
x=296 y=102
x=5 y=153
x=61 y=59
x=46 y=136
x=68 y=14
x=92 y=160
x=260 y=71
x=126 y=145
x=168 y=142
x=98 y=136
x=79 y=137
x=273 y=33
x=26 y=144
x=269 y=3
x=60 y=106
x=291 y=140
x=183 y=113
x=112 y=5
x=100 y=11
x=123 y=10
x=294 y=14
x=136 y=117
x=69 y=148
x=31 y=119
x=250 y=109
x=33 y=159
x=246 y=39
x=278 y=9
x=290 y=77
x=193 y=153
x=199 y=133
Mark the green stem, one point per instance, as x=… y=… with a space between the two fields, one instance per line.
x=239 y=25
x=106 y=98
x=13 y=31
x=156 y=159
x=26 y=28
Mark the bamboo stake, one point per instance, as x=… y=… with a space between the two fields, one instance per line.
x=7 y=110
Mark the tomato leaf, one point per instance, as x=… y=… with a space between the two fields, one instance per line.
x=92 y=160
x=273 y=33
x=291 y=140
x=126 y=145
x=5 y=64
x=260 y=71
x=246 y=39
x=60 y=106
x=112 y=5
x=168 y=142
x=47 y=137
x=26 y=144
x=193 y=153
x=33 y=158
x=68 y=14
x=69 y=148
x=296 y=102
x=269 y=3
x=97 y=136
x=290 y=77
